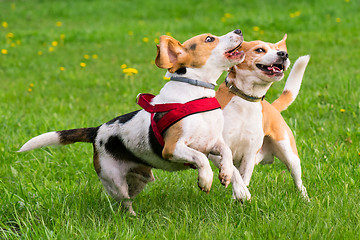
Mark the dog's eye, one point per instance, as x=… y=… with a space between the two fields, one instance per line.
x=260 y=50
x=209 y=39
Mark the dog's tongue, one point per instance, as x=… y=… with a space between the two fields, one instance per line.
x=274 y=69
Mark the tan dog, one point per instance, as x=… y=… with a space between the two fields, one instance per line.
x=254 y=129
x=126 y=149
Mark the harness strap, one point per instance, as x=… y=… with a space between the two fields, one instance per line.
x=175 y=111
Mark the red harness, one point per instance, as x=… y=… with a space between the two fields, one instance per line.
x=175 y=111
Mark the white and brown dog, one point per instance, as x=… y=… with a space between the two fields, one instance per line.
x=254 y=129
x=126 y=149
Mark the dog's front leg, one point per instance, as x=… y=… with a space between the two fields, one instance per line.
x=225 y=162
x=240 y=191
x=247 y=167
x=185 y=154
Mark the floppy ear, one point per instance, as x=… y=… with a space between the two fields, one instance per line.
x=171 y=54
x=282 y=44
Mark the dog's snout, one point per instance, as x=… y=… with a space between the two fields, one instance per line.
x=238 y=31
x=284 y=55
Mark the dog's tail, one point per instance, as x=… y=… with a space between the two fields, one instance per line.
x=61 y=138
x=292 y=85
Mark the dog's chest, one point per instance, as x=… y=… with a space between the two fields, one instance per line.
x=243 y=130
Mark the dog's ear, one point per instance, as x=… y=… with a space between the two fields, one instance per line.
x=282 y=44
x=171 y=54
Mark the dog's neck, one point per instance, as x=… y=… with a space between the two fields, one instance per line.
x=204 y=75
x=249 y=84
x=182 y=92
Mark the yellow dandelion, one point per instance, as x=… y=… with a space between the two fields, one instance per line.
x=12 y=45
x=145 y=39
x=261 y=32
x=40 y=53
x=228 y=15
x=18 y=42
x=347 y=1
x=130 y=33
x=4 y=24
x=4 y=51
x=82 y=64
x=297 y=13
x=123 y=66
x=30 y=90
x=62 y=69
x=130 y=71
x=359 y=153
x=13 y=6
x=10 y=35
x=95 y=56
x=342 y=110
x=58 y=24
x=223 y=19
x=62 y=36
x=51 y=49
x=256 y=28
x=338 y=20
x=156 y=40
x=168 y=33
x=292 y=15
x=86 y=56
x=54 y=43
x=31 y=85
x=166 y=78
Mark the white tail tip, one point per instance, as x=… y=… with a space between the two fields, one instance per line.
x=46 y=139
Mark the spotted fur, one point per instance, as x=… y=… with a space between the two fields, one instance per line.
x=125 y=148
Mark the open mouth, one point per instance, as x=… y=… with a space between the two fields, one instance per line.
x=273 y=69
x=235 y=52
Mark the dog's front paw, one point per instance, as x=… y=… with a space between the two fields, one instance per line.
x=304 y=194
x=241 y=193
x=225 y=176
x=205 y=180
x=224 y=179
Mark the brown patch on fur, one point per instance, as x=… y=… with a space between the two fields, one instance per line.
x=203 y=49
x=283 y=101
x=173 y=55
x=171 y=137
x=96 y=161
x=77 y=135
x=275 y=126
x=223 y=95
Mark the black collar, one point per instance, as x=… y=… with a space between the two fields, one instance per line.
x=238 y=92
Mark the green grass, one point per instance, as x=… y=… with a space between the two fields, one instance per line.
x=54 y=193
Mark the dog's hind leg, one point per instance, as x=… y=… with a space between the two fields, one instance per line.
x=137 y=179
x=286 y=151
x=113 y=173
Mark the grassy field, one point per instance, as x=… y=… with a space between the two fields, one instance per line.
x=61 y=67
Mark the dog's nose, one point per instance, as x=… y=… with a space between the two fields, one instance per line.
x=238 y=31
x=284 y=55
